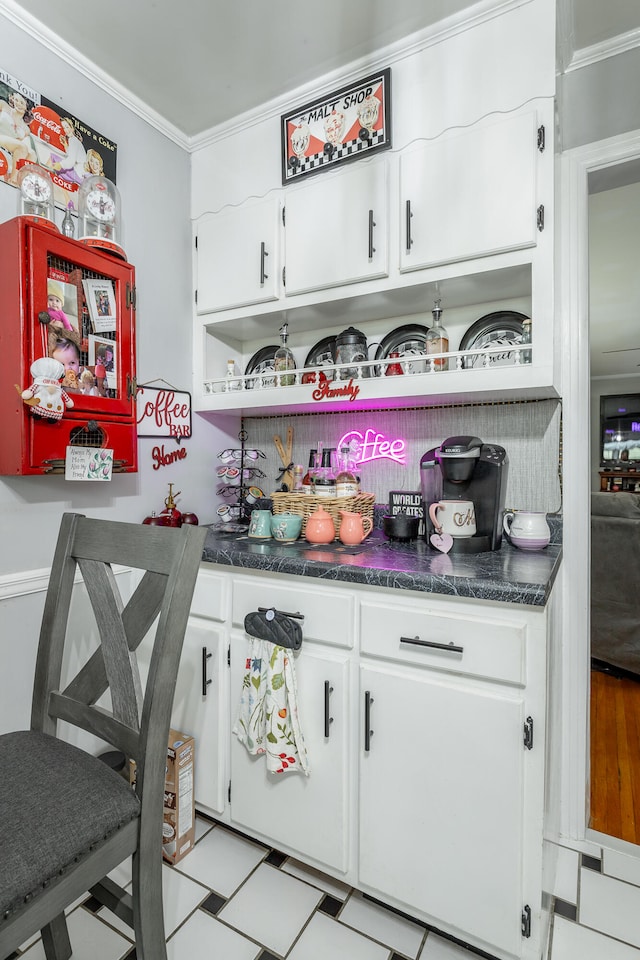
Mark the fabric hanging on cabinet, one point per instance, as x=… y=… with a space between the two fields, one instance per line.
x=268 y=721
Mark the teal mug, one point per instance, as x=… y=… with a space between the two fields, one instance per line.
x=260 y=524
x=286 y=527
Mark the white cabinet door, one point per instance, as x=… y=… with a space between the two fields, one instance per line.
x=237 y=257
x=469 y=193
x=336 y=229
x=307 y=814
x=200 y=707
x=441 y=803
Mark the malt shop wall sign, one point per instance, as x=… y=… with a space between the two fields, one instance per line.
x=352 y=122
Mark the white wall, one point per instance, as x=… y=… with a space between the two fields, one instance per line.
x=153 y=178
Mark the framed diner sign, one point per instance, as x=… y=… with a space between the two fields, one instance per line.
x=352 y=122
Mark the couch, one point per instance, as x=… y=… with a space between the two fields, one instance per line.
x=615 y=580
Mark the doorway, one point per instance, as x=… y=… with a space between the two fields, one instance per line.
x=614 y=361
x=571 y=692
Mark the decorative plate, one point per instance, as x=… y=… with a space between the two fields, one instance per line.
x=407 y=341
x=504 y=327
x=321 y=355
x=262 y=362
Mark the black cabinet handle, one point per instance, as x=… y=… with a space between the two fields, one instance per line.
x=263 y=253
x=372 y=224
x=205 y=682
x=449 y=647
x=409 y=215
x=368 y=733
x=328 y=720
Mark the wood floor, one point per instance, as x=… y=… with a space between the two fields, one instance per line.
x=615 y=756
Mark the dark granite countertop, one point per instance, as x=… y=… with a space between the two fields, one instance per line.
x=507 y=575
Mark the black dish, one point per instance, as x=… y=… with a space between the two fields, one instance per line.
x=261 y=362
x=494 y=329
x=400 y=526
x=406 y=340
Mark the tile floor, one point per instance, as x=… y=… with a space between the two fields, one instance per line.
x=234 y=899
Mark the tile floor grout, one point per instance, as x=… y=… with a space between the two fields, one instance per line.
x=333 y=894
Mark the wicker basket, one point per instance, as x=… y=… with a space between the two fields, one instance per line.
x=304 y=505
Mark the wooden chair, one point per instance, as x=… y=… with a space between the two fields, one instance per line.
x=68 y=818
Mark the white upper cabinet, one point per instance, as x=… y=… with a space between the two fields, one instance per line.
x=237 y=256
x=470 y=193
x=336 y=229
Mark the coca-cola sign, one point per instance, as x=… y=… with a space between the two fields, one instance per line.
x=163 y=412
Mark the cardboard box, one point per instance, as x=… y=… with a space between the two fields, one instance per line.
x=178 y=829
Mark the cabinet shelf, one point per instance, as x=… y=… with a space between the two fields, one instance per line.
x=484 y=382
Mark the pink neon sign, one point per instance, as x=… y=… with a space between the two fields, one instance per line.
x=372 y=446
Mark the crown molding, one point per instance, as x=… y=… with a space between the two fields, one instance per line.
x=466 y=19
x=386 y=56
x=61 y=48
x=602 y=51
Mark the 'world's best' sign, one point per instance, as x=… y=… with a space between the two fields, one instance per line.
x=163 y=412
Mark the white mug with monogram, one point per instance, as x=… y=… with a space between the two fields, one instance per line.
x=457 y=518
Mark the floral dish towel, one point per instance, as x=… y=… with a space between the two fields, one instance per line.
x=268 y=721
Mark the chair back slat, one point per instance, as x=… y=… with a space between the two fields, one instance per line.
x=121 y=665
x=98 y=722
x=138 y=616
x=170 y=558
x=121 y=543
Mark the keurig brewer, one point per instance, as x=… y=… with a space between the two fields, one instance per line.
x=466 y=469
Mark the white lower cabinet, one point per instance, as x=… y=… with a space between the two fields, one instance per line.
x=426 y=786
x=441 y=780
x=306 y=814
x=200 y=707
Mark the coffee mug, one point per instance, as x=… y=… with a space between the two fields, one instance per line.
x=454 y=517
x=527 y=530
x=286 y=527
x=260 y=524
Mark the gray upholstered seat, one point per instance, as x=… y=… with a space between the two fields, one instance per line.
x=68 y=803
x=68 y=818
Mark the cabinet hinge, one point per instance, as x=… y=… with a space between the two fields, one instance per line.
x=526 y=921
x=284 y=216
x=229 y=792
x=131 y=297
x=528 y=733
x=132 y=387
x=540 y=217
x=196 y=296
x=541 y=138
x=284 y=276
x=196 y=242
x=229 y=655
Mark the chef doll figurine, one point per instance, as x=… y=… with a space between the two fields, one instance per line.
x=45 y=396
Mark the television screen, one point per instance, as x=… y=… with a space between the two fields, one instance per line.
x=620 y=428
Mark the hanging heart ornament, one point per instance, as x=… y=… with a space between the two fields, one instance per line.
x=441 y=541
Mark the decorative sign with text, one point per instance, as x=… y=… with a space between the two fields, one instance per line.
x=409 y=502
x=163 y=412
x=88 y=463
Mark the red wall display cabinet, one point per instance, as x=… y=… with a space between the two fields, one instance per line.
x=90 y=327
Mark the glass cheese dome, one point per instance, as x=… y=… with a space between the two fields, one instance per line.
x=36 y=193
x=99 y=215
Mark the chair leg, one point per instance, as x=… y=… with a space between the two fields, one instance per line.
x=148 y=916
x=55 y=939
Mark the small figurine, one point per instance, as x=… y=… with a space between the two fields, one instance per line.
x=45 y=396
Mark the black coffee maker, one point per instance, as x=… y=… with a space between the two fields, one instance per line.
x=465 y=468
